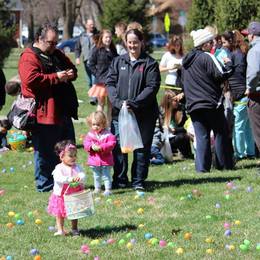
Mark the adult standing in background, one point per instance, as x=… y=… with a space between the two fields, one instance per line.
x=46 y=74
x=84 y=46
x=120 y=29
x=135 y=78
x=202 y=78
x=2 y=88
x=253 y=79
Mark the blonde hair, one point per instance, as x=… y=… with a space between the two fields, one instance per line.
x=134 y=25
x=99 y=117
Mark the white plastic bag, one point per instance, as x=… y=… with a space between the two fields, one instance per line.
x=166 y=149
x=129 y=133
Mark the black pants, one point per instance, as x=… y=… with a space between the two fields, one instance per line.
x=140 y=165
x=205 y=120
x=181 y=142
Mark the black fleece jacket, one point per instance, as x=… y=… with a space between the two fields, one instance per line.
x=202 y=76
x=137 y=83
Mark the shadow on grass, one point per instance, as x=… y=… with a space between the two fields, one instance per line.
x=99 y=232
x=247 y=166
x=153 y=185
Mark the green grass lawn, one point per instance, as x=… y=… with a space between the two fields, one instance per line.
x=178 y=201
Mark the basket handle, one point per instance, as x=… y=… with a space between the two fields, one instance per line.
x=68 y=188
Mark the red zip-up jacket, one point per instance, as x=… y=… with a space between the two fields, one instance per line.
x=39 y=85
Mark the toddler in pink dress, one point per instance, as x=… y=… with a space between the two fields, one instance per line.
x=65 y=173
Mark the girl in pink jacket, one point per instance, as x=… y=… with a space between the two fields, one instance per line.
x=99 y=143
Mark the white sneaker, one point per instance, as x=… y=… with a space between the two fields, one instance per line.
x=107 y=193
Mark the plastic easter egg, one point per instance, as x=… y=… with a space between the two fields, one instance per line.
x=182 y=198
x=249 y=189
x=162 y=243
x=37 y=257
x=3 y=170
x=51 y=228
x=129 y=235
x=11 y=169
x=9 y=257
x=189 y=197
x=171 y=244
x=17 y=216
x=230 y=185
x=129 y=245
x=141 y=226
x=85 y=249
x=227 y=197
x=121 y=242
x=11 y=214
x=258 y=246
x=20 y=222
x=10 y=225
x=228 y=233
x=237 y=222
x=30 y=214
x=109 y=201
x=180 y=251
x=187 y=236
x=226 y=225
x=38 y=221
x=94 y=242
x=218 y=205
x=140 y=211
x=208 y=217
x=209 y=240
x=34 y=251
x=136 y=197
x=243 y=247
x=133 y=241
x=96 y=258
x=111 y=241
x=210 y=251
x=247 y=242
x=148 y=235
x=231 y=247
x=154 y=241
x=140 y=193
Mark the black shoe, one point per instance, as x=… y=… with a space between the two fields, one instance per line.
x=138 y=188
x=93 y=101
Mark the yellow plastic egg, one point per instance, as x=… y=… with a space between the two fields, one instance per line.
x=140 y=211
x=38 y=221
x=141 y=226
x=129 y=245
x=237 y=222
x=209 y=240
x=209 y=251
x=11 y=214
x=180 y=251
x=187 y=236
x=10 y=225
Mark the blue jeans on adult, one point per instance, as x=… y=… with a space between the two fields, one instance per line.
x=243 y=139
x=140 y=165
x=102 y=173
x=44 y=138
x=205 y=120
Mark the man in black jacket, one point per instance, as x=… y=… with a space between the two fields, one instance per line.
x=202 y=78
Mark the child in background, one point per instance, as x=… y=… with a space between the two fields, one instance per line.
x=99 y=143
x=65 y=173
x=4 y=127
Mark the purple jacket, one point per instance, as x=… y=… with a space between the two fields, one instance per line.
x=106 y=141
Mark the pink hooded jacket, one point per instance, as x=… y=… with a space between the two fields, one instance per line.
x=106 y=141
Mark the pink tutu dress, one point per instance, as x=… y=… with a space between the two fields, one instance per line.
x=56 y=203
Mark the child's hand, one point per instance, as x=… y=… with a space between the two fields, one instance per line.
x=76 y=179
x=96 y=148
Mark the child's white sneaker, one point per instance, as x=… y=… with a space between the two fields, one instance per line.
x=107 y=193
x=60 y=233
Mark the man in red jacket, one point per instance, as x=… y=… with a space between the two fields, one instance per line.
x=46 y=75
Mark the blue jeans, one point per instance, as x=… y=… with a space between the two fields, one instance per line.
x=243 y=139
x=102 y=173
x=90 y=76
x=44 y=138
x=140 y=165
x=205 y=120
x=156 y=156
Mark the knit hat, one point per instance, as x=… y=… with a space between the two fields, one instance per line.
x=254 y=28
x=201 y=36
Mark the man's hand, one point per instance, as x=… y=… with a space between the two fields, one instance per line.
x=95 y=148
